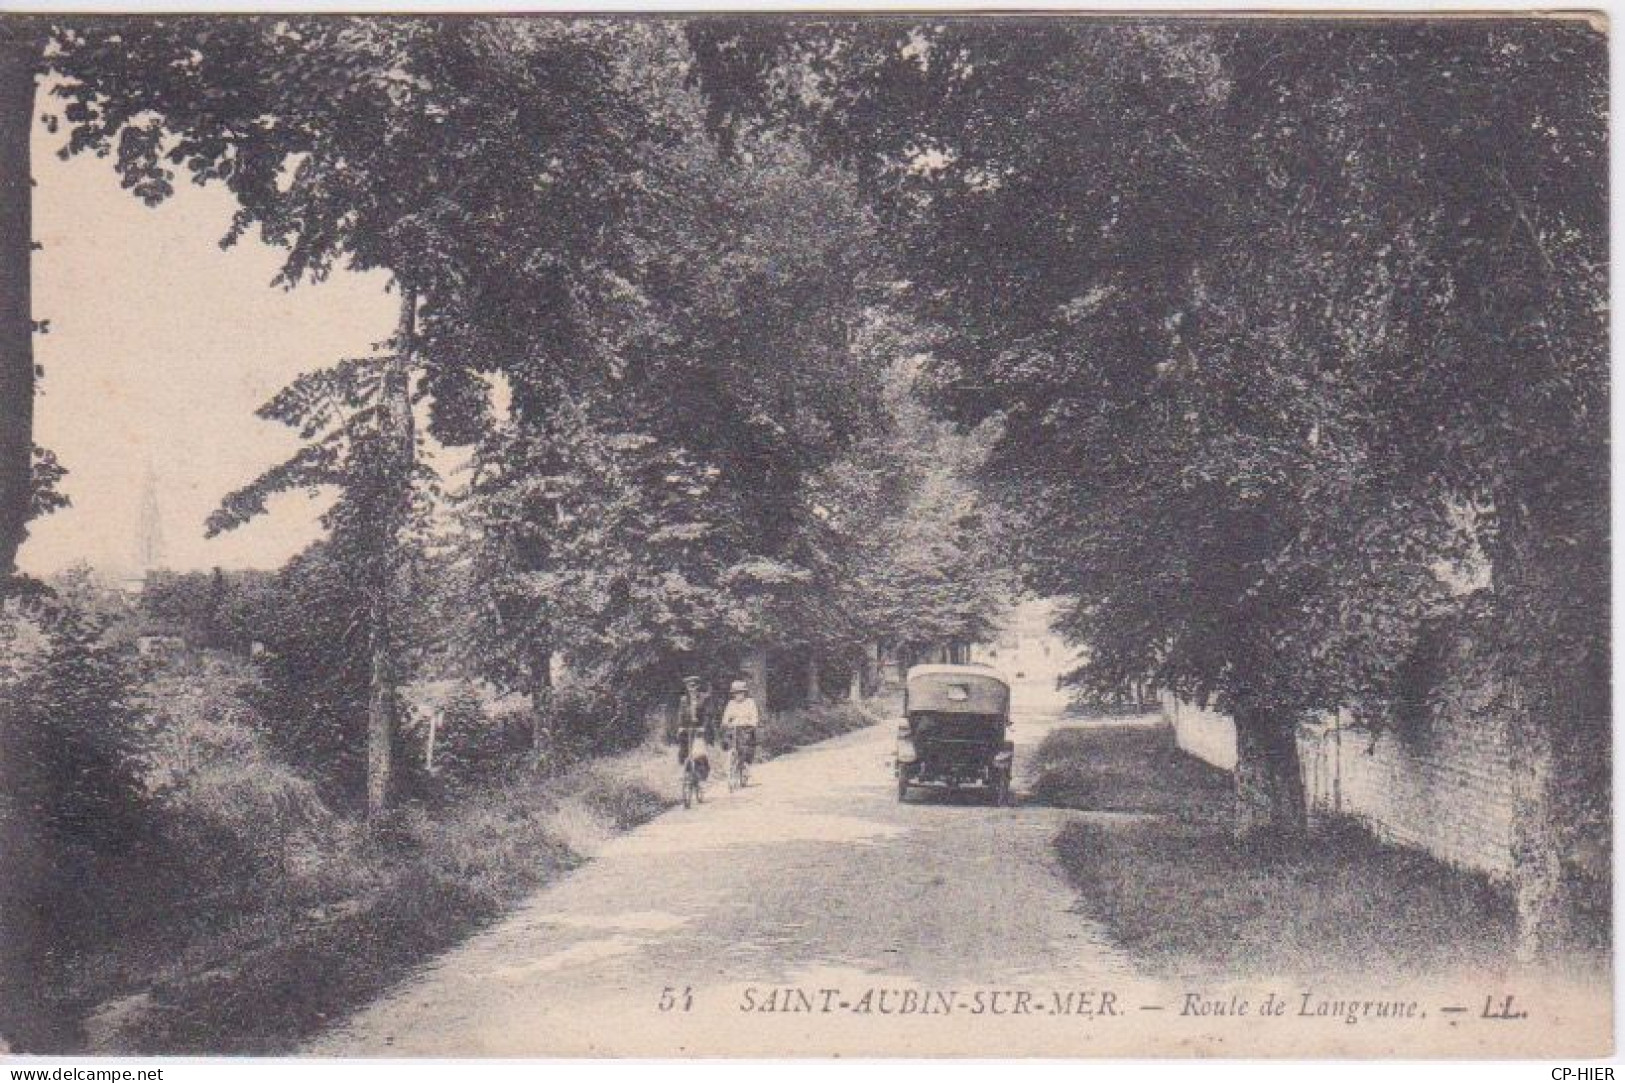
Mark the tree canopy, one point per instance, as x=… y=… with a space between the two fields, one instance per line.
x=1274 y=347
x=1295 y=333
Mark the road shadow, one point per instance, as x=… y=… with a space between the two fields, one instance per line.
x=944 y=797
x=1155 y=860
x=1106 y=764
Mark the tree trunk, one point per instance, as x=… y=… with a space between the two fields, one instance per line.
x=394 y=503
x=854 y=691
x=19 y=58
x=380 y=707
x=1542 y=910
x=1270 y=810
x=1552 y=596
x=31 y=1018
x=541 y=696
x=815 y=683
x=755 y=668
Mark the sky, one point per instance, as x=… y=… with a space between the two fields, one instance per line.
x=161 y=346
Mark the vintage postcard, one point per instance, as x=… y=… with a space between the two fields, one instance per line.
x=794 y=535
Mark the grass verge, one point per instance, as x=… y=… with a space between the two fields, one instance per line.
x=1178 y=893
x=265 y=981
x=370 y=908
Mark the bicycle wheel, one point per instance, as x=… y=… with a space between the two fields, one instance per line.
x=734 y=766
x=690 y=787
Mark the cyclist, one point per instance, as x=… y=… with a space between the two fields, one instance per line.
x=740 y=720
x=694 y=729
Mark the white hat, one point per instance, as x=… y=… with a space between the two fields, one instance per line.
x=739 y=686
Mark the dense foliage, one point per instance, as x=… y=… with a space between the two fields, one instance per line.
x=1296 y=334
x=1278 y=349
x=75 y=808
x=665 y=406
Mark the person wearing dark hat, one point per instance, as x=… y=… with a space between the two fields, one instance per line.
x=693 y=721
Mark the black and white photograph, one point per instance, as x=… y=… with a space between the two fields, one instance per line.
x=805 y=534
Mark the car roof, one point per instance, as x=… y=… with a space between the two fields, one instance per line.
x=956 y=671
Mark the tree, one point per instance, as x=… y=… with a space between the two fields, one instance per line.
x=18 y=63
x=1496 y=181
x=1438 y=346
x=927 y=567
x=214 y=610
x=232 y=102
x=360 y=417
x=651 y=495
x=482 y=164
x=1051 y=210
x=413 y=145
x=770 y=383
x=28 y=474
x=1229 y=290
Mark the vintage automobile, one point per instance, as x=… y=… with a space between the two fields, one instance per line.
x=953 y=731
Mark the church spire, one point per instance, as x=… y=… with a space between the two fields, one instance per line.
x=149 y=532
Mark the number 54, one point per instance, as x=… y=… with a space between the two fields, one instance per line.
x=673 y=999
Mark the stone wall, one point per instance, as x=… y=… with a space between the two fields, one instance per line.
x=1207 y=735
x=1439 y=781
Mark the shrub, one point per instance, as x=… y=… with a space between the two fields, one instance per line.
x=624 y=802
x=74 y=810
x=474 y=742
x=787 y=730
x=75 y=754
x=588 y=718
x=233 y=818
x=317 y=672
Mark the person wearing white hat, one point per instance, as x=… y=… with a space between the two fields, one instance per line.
x=740 y=721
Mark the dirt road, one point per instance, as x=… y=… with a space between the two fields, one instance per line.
x=812 y=915
x=747 y=923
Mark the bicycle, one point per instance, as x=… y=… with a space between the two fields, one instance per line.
x=738 y=762
x=693 y=777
